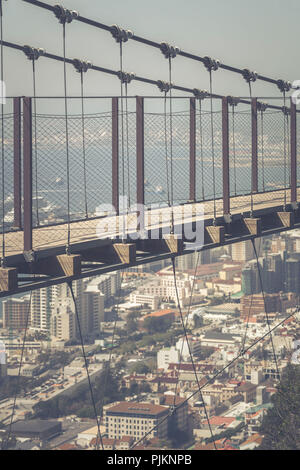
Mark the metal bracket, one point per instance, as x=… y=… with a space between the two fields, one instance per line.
x=200 y=94
x=64 y=15
x=170 y=52
x=81 y=65
x=284 y=85
x=227 y=218
x=233 y=100
x=120 y=34
x=211 y=64
x=249 y=76
x=261 y=106
x=164 y=86
x=126 y=77
x=33 y=53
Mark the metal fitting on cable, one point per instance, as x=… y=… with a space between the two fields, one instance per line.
x=81 y=65
x=200 y=94
x=286 y=111
x=211 y=64
x=249 y=76
x=170 y=52
x=164 y=86
x=33 y=53
x=233 y=100
x=120 y=34
x=126 y=77
x=261 y=106
x=64 y=15
x=283 y=85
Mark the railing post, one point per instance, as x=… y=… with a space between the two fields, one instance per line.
x=293 y=152
x=140 y=161
x=27 y=175
x=192 y=149
x=254 y=168
x=115 y=154
x=225 y=152
x=17 y=164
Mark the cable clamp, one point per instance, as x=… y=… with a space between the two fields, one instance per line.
x=249 y=76
x=233 y=100
x=286 y=111
x=126 y=77
x=33 y=53
x=261 y=106
x=120 y=34
x=211 y=64
x=81 y=65
x=170 y=52
x=164 y=86
x=200 y=94
x=64 y=15
x=283 y=85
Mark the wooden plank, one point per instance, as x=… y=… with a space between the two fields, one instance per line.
x=252 y=225
x=214 y=234
x=61 y=265
x=286 y=219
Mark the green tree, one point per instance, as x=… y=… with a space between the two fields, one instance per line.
x=281 y=425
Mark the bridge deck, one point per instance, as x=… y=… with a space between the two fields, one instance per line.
x=85 y=231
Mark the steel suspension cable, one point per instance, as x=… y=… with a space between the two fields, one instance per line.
x=234 y=149
x=3 y=262
x=262 y=149
x=127 y=144
x=212 y=144
x=201 y=149
x=67 y=142
x=171 y=145
x=122 y=144
x=251 y=191
x=284 y=148
x=166 y=148
x=190 y=353
x=83 y=144
x=87 y=368
x=35 y=142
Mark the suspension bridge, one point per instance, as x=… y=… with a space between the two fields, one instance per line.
x=230 y=162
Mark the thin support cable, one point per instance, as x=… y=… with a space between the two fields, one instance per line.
x=6 y=443
x=3 y=262
x=67 y=143
x=87 y=368
x=262 y=150
x=122 y=146
x=190 y=353
x=166 y=149
x=83 y=145
x=284 y=151
x=265 y=308
x=35 y=143
x=127 y=144
x=201 y=149
x=234 y=149
x=171 y=145
x=251 y=186
x=212 y=144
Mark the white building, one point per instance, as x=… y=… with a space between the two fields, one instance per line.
x=167 y=356
x=184 y=348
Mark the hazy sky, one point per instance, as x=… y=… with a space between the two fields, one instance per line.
x=262 y=35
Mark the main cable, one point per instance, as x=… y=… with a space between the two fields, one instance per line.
x=83 y=144
x=212 y=144
x=35 y=142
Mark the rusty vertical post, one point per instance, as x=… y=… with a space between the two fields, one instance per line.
x=17 y=164
x=140 y=159
x=115 y=154
x=254 y=167
x=27 y=172
x=225 y=153
x=192 y=149
x=293 y=152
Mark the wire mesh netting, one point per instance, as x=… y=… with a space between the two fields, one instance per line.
x=7 y=170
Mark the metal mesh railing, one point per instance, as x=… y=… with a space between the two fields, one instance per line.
x=8 y=171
